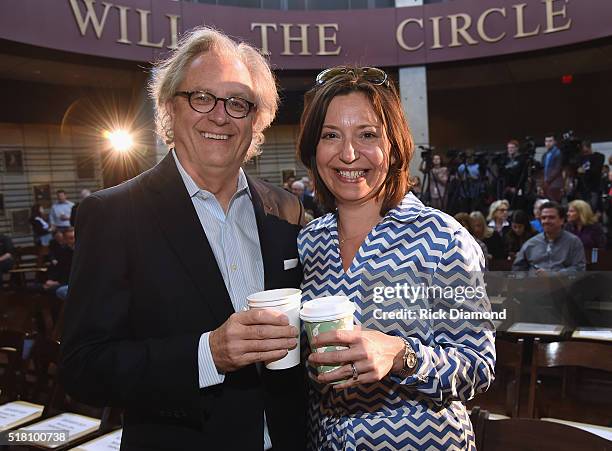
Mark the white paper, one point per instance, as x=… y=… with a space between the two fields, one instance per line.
x=536 y=329
x=594 y=334
x=11 y=413
x=108 y=442
x=75 y=425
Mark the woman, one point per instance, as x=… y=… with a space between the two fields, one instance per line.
x=490 y=237
x=583 y=223
x=520 y=232
x=404 y=378
x=463 y=218
x=438 y=180
x=40 y=227
x=498 y=216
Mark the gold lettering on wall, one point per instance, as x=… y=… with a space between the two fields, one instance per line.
x=550 y=17
x=323 y=39
x=123 y=25
x=144 y=30
x=91 y=16
x=265 y=49
x=173 y=30
x=457 y=30
x=399 y=34
x=520 y=22
x=302 y=38
x=480 y=26
x=435 y=28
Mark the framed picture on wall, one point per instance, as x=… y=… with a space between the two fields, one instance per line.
x=1 y=204
x=85 y=167
x=42 y=195
x=21 y=222
x=13 y=161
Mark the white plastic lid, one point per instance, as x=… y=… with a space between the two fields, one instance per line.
x=327 y=308
x=273 y=298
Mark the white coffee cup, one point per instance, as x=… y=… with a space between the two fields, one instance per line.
x=287 y=301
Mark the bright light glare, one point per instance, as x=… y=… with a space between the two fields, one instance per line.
x=121 y=140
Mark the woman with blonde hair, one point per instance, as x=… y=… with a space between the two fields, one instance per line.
x=582 y=222
x=498 y=216
x=488 y=235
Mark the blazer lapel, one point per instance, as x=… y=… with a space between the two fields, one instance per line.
x=174 y=210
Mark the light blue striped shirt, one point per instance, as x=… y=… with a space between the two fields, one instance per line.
x=234 y=241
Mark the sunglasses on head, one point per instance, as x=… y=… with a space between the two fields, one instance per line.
x=373 y=75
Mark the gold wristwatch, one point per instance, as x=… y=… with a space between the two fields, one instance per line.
x=409 y=360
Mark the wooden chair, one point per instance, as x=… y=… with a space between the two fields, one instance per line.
x=48 y=391
x=509 y=361
x=12 y=379
x=596 y=356
x=521 y=434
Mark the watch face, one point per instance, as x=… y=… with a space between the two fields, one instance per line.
x=411 y=360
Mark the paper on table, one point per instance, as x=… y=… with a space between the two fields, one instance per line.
x=18 y=412
x=594 y=334
x=76 y=426
x=536 y=329
x=601 y=431
x=108 y=442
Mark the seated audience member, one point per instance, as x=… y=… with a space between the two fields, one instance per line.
x=308 y=186
x=6 y=255
x=310 y=204
x=535 y=223
x=59 y=271
x=55 y=246
x=490 y=237
x=554 y=250
x=463 y=218
x=582 y=222
x=520 y=231
x=40 y=227
x=498 y=216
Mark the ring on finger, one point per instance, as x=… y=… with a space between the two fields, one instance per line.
x=355 y=373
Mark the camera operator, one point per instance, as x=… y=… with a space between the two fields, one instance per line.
x=589 y=176
x=438 y=181
x=513 y=173
x=552 y=162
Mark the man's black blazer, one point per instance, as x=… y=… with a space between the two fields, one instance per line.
x=144 y=286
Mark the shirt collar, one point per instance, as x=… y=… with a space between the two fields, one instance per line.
x=406 y=211
x=193 y=189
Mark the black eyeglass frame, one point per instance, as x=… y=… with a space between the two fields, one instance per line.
x=189 y=95
x=378 y=76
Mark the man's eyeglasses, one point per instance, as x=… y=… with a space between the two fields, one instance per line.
x=374 y=75
x=205 y=102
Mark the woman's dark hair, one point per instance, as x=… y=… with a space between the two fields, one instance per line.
x=520 y=217
x=35 y=211
x=387 y=105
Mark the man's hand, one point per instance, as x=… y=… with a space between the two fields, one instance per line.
x=257 y=335
x=50 y=284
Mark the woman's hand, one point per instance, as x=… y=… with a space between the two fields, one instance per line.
x=373 y=353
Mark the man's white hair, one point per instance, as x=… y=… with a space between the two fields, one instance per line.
x=169 y=73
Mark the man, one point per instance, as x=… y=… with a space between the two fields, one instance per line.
x=6 y=255
x=552 y=162
x=554 y=250
x=589 y=175
x=156 y=318
x=61 y=263
x=514 y=175
x=299 y=190
x=59 y=216
x=84 y=193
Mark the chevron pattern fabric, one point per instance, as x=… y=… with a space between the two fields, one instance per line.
x=413 y=245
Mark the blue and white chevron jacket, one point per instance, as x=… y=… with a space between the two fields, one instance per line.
x=412 y=246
